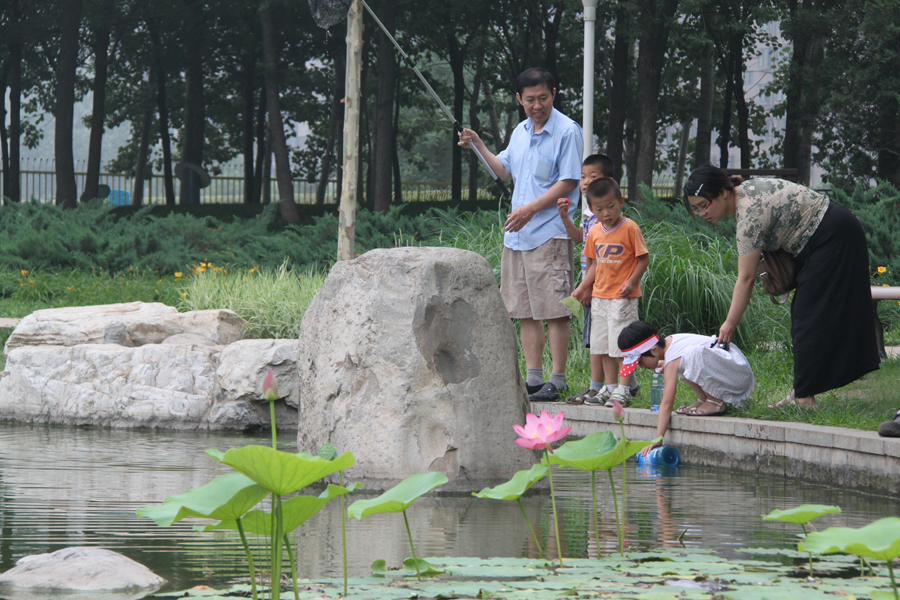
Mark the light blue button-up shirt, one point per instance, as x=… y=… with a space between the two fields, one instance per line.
x=537 y=161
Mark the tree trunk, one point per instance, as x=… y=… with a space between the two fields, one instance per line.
x=551 y=36
x=457 y=56
x=336 y=123
x=618 y=94
x=384 y=111
x=350 y=154
x=395 y=159
x=475 y=124
x=193 y=130
x=98 y=111
x=651 y=59
x=11 y=177
x=162 y=107
x=140 y=170
x=743 y=112
x=287 y=207
x=261 y=174
x=682 y=156
x=66 y=65
x=4 y=134
x=725 y=130
x=887 y=166
x=703 y=144
x=248 y=122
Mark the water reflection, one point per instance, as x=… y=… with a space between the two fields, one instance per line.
x=63 y=487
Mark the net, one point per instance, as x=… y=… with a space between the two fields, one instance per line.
x=329 y=12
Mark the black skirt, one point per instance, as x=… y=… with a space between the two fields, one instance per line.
x=832 y=325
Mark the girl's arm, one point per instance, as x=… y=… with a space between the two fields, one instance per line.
x=743 y=287
x=670 y=383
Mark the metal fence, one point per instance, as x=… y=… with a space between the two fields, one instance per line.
x=38 y=183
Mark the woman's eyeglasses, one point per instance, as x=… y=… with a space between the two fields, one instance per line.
x=699 y=209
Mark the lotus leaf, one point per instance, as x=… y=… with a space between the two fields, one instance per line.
x=879 y=540
x=802 y=514
x=577 y=309
x=513 y=489
x=281 y=472
x=596 y=451
x=399 y=497
x=295 y=511
x=224 y=498
x=420 y=567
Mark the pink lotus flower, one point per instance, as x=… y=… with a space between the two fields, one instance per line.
x=618 y=411
x=270 y=387
x=540 y=432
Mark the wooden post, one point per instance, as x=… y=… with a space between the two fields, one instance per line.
x=347 y=219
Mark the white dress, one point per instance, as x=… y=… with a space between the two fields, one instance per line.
x=723 y=374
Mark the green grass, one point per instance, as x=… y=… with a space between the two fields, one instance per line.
x=272 y=301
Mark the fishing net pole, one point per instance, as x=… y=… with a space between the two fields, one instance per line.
x=331 y=12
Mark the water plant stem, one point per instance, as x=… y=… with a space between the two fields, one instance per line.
x=276 y=547
x=530 y=528
x=553 y=500
x=809 y=553
x=596 y=516
x=287 y=544
x=274 y=429
x=343 y=530
x=893 y=581
x=616 y=510
x=240 y=528
x=411 y=547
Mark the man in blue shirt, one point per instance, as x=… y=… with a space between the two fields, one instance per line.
x=544 y=160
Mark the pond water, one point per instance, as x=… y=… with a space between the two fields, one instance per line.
x=64 y=487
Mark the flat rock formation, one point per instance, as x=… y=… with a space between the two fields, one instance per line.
x=79 y=569
x=408 y=359
x=144 y=365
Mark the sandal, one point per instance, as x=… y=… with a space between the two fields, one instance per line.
x=683 y=410
x=581 y=397
x=696 y=412
x=791 y=400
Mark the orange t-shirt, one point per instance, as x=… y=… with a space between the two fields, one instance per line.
x=615 y=253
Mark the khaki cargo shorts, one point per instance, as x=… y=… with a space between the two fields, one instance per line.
x=609 y=316
x=532 y=282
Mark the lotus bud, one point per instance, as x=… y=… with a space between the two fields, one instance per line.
x=270 y=387
x=618 y=411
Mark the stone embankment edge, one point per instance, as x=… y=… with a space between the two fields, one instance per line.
x=833 y=456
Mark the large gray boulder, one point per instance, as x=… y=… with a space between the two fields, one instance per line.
x=127 y=324
x=408 y=359
x=80 y=569
x=144 y=365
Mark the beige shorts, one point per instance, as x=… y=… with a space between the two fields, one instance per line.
x=609 y=316
x=532 y=282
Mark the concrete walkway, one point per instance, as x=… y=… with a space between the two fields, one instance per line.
x=8 y=323
x=830 y=455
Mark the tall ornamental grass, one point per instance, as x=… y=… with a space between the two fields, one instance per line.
x=272 y=301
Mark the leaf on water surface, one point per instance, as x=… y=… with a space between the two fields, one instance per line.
x=226 y=497
x=295 y=511
x=281 y=472
x=425 y=569
x=802 y=514
x=882 y=595
x=378 y=568
x=513 y=489
x=879 y=540
x=596 y=451
x=399 y=497
x=790 y=552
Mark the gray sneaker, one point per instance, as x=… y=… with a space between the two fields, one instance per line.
x=598 y=399
x=624 y=399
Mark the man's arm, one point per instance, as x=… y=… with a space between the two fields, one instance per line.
x=467 y=137
x=518 y=218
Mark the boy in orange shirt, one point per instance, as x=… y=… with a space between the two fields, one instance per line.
x=616 y=259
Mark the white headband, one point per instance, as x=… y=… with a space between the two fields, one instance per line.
x=633 y=354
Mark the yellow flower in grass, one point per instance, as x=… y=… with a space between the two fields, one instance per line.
x=253 y=270
x=885 y=285
x=216 y=269
x=31 y=281
x=203 y=265
x=184 y=294
x=177 y=274
x=882 y=269
x=23 y=272
x=69 y=288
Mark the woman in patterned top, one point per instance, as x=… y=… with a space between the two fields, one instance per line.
x=831 y=312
